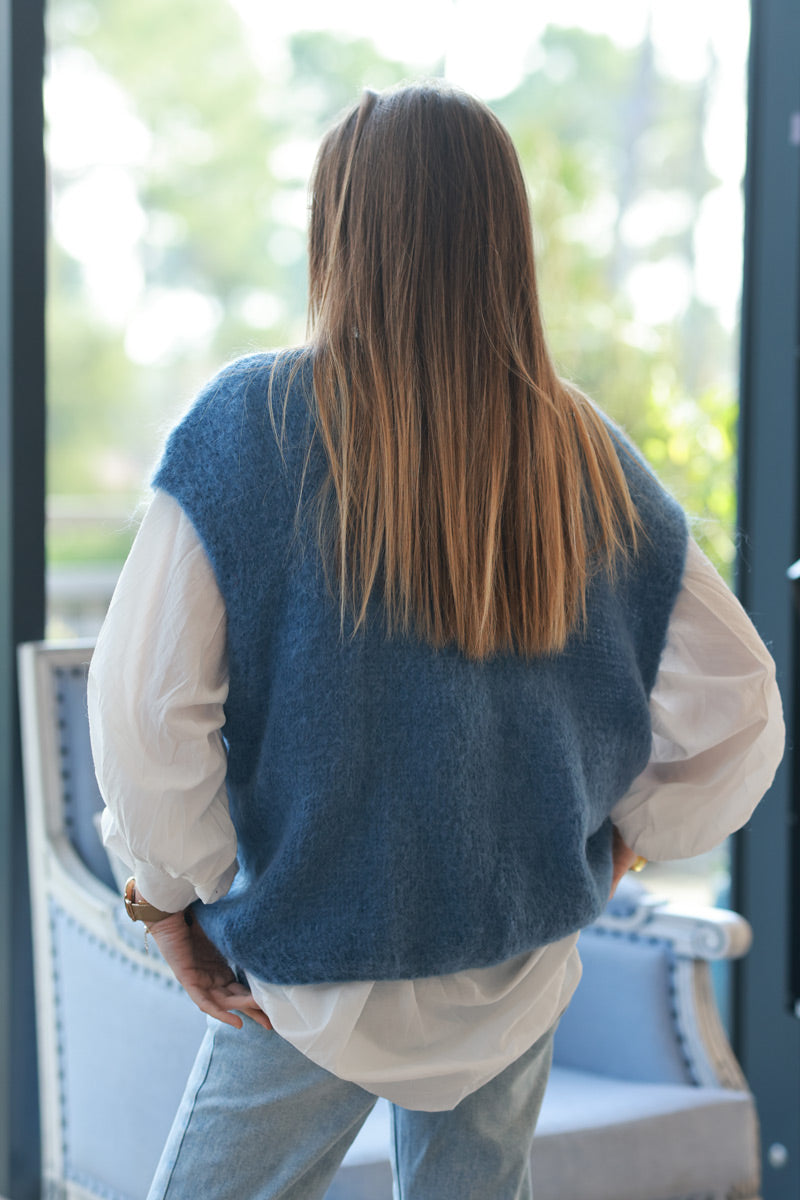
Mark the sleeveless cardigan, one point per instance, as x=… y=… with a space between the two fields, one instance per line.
x=402 y=811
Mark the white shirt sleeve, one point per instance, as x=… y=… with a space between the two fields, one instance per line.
x=717 y=722
x=157 y=685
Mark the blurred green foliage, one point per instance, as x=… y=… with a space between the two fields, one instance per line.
x=221 y=183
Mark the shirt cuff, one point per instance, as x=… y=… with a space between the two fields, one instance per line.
x=173 y=895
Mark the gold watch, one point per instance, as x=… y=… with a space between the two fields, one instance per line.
x=138 y=911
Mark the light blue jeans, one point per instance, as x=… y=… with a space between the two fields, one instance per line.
x=259 y=1121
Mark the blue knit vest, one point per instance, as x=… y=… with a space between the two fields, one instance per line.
x=402 y=811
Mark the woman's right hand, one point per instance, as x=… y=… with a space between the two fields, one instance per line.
x=623 y=858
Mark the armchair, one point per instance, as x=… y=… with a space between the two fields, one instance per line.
x=646 y=1100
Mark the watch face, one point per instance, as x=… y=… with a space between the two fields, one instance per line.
x=130 y=891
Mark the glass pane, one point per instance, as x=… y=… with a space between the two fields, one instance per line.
x=180 y=138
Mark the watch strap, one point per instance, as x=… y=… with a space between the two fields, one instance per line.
x=138 y=910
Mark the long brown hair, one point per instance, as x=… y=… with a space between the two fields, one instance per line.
x=466 y=480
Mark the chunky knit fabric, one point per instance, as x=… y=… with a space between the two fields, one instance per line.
x=402 y=811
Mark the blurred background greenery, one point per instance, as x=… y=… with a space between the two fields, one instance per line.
x=178 y=165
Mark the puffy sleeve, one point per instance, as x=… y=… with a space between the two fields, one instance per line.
x=157 y=686
x=717 y=721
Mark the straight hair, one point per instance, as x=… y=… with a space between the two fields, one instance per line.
x=468 y=486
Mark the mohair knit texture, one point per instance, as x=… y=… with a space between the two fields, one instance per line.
x=402 y=811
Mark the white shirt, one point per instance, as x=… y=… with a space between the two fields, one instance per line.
x=157 y=686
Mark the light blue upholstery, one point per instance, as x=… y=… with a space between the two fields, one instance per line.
x=646 y=1101
x=128 y=1040
x=607 y=1139
x=601 y=1138
x=626 y=988
x=80 y=793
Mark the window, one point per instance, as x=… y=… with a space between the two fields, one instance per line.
x=180 y=138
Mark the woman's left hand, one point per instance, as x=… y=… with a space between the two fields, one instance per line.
x=203 y=973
